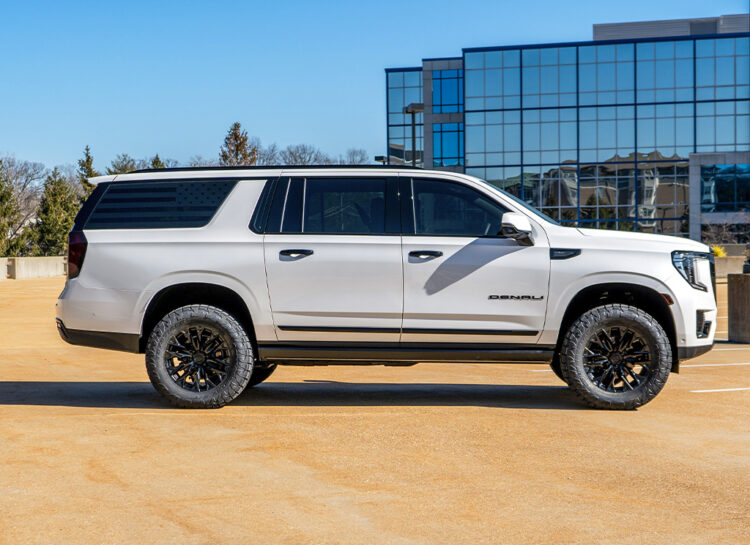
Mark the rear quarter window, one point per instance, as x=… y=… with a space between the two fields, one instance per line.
x=154 y=205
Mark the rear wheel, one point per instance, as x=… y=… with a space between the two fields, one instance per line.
x=616 y=357
x=199 y=356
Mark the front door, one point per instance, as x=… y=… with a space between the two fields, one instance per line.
x=462 y=282
x=333 y=260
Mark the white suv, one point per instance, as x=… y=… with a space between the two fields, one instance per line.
x=219 y=275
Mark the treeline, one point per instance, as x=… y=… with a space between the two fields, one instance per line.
x=38 y=206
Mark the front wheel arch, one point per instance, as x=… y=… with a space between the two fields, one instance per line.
x=634 y=295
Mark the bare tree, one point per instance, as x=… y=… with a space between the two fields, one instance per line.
x=26 y=180
x=354 y=156
x=200 y=161
x=304 y=154
x=267 y=155
x=719 y=233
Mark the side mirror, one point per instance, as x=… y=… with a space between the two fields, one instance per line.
x=518 y=227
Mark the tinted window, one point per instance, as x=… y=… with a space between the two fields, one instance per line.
x=331 y=206
x=344 y=206
x=153 y=205
x=444 y=208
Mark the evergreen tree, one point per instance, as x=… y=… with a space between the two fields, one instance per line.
x=156 y=162
x=57 y=210
x=86 y=171
x=9 y=215
x=122 y=164
x=237 y=150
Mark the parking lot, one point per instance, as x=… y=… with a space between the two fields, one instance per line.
x=435 y=453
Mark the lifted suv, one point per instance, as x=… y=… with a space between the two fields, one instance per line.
x=220 y=275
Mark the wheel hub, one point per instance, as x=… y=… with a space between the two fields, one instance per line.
x=617 y=359
x=198 y=357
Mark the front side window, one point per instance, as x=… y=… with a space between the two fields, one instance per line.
x=341 y=206
x=451 y=209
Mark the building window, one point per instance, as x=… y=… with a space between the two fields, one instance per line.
x=549 y=77
x=722 y=68
x=725 y=188
x=404 y=86
x=606 y=74
x=493 y=80
x=664 y=71
x=722 y=126
x=447 y=91
x=448 y=144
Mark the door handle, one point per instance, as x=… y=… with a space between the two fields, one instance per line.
x=425 y=253
x=296 y=253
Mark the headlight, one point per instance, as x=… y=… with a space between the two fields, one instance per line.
x=687 y=264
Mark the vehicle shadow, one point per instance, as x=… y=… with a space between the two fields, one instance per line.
x=141 y=395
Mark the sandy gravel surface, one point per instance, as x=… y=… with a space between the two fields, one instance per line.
x=435 y=453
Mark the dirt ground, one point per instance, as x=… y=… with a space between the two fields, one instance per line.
x=435 y=453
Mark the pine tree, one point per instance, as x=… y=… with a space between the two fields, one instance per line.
x=86 y=171
x=237 y=150
x=156 y=162
x=57 y=210
x=122 y=164
x=9 y=214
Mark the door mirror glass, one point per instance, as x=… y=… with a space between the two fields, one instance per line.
x=518 y=227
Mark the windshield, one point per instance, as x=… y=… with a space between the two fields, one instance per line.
x=526 y=205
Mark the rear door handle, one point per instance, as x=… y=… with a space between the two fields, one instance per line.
x=425 y=253
x=296 y=253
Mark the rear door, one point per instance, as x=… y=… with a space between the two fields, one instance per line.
x=463 y=282
x=333 y=259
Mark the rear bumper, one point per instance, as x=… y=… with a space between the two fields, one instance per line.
x=124 y=342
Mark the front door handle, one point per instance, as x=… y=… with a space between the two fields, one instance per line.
x=425 y=253
x=296 y=253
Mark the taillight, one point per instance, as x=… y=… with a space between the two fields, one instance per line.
x=76 y=252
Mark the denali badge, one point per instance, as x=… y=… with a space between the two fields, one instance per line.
x=517 y=297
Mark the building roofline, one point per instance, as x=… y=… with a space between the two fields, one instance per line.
x=406 y=69
x=606 y=42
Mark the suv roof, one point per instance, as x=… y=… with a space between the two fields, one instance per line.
x=274 y=167
x=237 y=172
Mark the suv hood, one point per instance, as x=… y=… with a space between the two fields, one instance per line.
x=626 y=238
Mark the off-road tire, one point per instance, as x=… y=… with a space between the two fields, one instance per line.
x=616 y=315
x=557 y=368
x=238 y=373
x=261 y=373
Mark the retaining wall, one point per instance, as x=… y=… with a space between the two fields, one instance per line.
x=728 y=265
x=36 y=267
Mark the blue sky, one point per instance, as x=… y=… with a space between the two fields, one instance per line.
x=170 y=77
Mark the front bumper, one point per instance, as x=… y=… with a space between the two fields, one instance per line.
x=690 y=352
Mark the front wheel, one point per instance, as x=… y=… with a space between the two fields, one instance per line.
x=261 y=373
x=199 y=356
x=616 y=357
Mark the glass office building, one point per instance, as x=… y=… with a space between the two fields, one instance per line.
x=645 y=128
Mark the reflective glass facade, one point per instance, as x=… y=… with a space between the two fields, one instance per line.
x=725 y=188
x=600 y=134
x=404 y=87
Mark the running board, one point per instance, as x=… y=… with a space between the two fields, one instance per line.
x=310 y=354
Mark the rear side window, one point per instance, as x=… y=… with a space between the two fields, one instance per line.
x=342 y=206
x=154 y=205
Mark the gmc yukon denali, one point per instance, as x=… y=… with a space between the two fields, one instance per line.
x=219 y=275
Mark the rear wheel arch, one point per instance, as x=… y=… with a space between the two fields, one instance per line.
x=635 y=295
x=195 y=293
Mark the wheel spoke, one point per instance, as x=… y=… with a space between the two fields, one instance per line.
x=198 y=357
